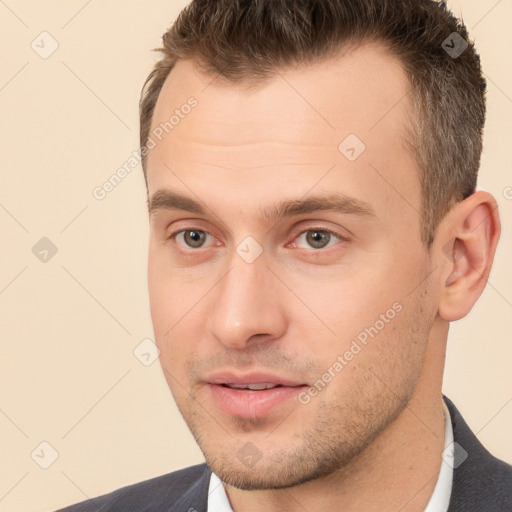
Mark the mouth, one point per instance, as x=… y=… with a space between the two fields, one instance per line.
x=254 y=395
x=252 y=387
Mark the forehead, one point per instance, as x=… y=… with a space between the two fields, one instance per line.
x=289 y=128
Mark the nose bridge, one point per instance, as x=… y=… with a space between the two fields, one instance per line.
x=246 y=304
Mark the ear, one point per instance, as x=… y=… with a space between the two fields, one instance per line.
x=466 y=242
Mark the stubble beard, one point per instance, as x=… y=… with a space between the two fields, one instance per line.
x=337 y=436
x=336 y=431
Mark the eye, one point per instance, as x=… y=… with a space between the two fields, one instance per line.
x=191 y=238
x=319 y=238
x=316 y=238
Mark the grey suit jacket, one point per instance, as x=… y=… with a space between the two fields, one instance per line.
x=481 y=483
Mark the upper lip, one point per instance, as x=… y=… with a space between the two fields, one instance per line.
x=228 y=377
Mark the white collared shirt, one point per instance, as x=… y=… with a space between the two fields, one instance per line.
x=439 y=501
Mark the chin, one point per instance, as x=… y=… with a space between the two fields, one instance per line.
x=280 y=470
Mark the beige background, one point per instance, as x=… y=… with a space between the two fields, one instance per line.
x=68 y=373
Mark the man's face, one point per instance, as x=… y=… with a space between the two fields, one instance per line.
x=246 y=292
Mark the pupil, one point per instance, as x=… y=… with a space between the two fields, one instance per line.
x=194 y=238
x=318 y=239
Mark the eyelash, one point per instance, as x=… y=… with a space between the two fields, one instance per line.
x=321 y=229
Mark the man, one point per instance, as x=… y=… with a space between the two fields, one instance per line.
x=311 y=170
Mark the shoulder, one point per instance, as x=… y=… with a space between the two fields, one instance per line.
x=480 y=480
x=155 y=494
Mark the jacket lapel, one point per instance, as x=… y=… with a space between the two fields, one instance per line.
x=480 y=481
x=195 y=498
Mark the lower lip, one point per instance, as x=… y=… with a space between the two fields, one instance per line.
x=252 y=404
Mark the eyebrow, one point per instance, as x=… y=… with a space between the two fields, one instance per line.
x=336 y=202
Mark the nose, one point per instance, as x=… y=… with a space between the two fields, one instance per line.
x=247 y=306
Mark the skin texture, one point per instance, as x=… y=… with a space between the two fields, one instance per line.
x=372 y=438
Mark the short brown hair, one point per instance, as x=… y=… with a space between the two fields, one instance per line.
x=246 y=41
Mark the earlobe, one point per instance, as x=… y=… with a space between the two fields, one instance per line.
x=474 y=227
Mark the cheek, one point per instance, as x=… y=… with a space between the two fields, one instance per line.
x=383 y=360
x=176 y=314
x=163 y=306
x=349 y=302
x=166 y=296
x=370 y=315
x=160 y=299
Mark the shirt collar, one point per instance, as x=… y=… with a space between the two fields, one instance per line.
x=443 y=490
x=217 y=498
x=439 y=501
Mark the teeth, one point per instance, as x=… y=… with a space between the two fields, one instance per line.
x=255 y=387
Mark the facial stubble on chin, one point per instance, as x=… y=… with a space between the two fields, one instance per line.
x=339 y=430
x=328 y=446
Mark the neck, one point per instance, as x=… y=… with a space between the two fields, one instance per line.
x=398 y=471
